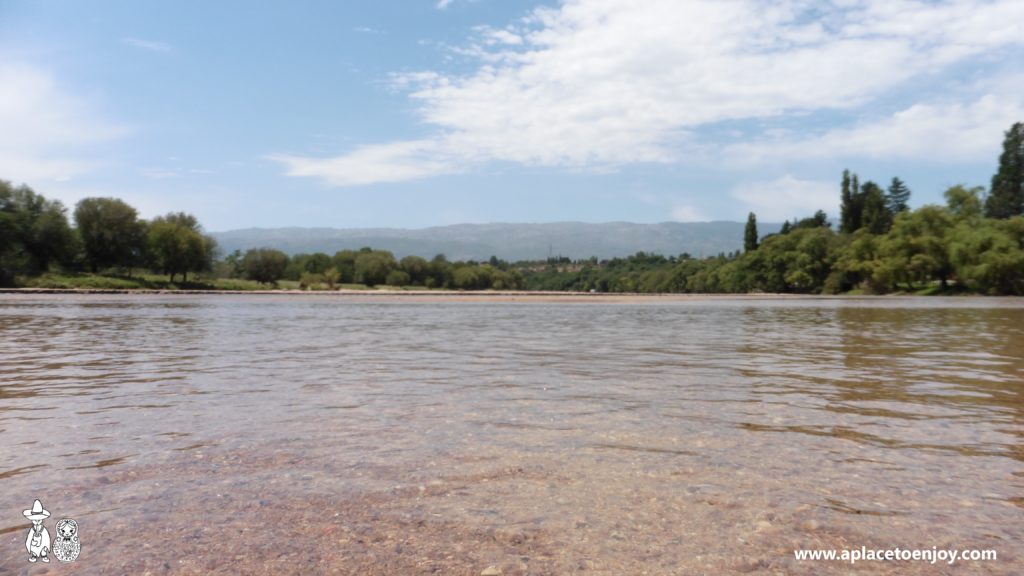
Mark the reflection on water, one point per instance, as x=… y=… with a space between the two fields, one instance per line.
x=673 y=437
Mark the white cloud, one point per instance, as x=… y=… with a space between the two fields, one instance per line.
x=601 y=83
x=941 y=132
x=47 y=134
x=787 y=197
x=150 y=45
x=687 y=214
x=395 y=162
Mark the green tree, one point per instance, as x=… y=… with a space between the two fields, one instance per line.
x=34 y=233
x=416 y=268
x=875 y=215
x=846 y=205
x=750 y=233
x=1006 y=197
x=46 y=234
x=372 y=267
x=345 y=262
x=862 y=263
x=331 y=277
x=852 y=204
x=177 y=245
x=917 y=245
x=897 y=197
x=397 y=277
x=987 y=255
x=439 y=272
x=964 y=203
x=111 y=233
x=264 y=265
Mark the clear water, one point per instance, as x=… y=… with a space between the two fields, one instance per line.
x=291 y=434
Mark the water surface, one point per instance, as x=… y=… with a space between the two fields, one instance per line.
x=268 y=434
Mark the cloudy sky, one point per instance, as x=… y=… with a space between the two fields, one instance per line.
x=414 y=113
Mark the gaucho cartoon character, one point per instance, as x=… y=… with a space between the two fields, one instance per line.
x=38 y=541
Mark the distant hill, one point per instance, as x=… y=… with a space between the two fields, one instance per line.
x=511 y=242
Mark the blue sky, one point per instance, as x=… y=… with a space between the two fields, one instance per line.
x=416 y=113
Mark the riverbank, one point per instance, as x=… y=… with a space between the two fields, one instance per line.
x=524 y=296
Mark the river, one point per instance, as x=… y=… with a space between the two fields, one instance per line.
x=297 y=434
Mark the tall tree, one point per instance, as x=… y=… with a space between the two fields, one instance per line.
x=750 y=234
x=264 y=265
x=852 y=204
x=875 y=215
x=111 y=233
x=845 y=204
x=34 y=233
x=1006 y=198
x=897 y=196
x=177 y=245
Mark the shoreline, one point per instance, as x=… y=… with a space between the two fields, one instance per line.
x=489 y=295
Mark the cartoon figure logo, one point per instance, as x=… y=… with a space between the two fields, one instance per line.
x=67 y=545
x=38 y=541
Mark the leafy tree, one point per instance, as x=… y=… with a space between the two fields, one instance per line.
x=111 y=232
x=964 y=203
x=987 y=255
x=34 y=233
x=796 y=262
x=264 y=265
x=318 y=263
x=372 y=267
x=310 y=280
x=1006 y=197
x=818 y=220
x=397 y=277
x=439 y=272
x=750 y=233
x=897 y=197
x=345 y=262
x=917 y=245
x=416 y=268
x=862 y=263
x=46 y=234
x=331 y=277
x=875 y=214
x=177 y=245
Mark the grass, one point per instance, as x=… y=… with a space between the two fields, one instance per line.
x=141 y=282
x=84 y=281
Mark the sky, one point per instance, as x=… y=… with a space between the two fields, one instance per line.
x=417 y=113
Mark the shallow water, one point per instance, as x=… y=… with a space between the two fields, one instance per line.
x=270 y=434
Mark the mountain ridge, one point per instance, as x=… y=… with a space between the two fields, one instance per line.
x=507 y=240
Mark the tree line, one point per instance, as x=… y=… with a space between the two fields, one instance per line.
x=106 y=235
x=36 y=235
x=974 y=242
x=369 y=267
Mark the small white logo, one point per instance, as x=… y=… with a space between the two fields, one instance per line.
x=38 y=541
x=67 y=545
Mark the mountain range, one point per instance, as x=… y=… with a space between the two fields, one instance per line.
x=576 y=240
